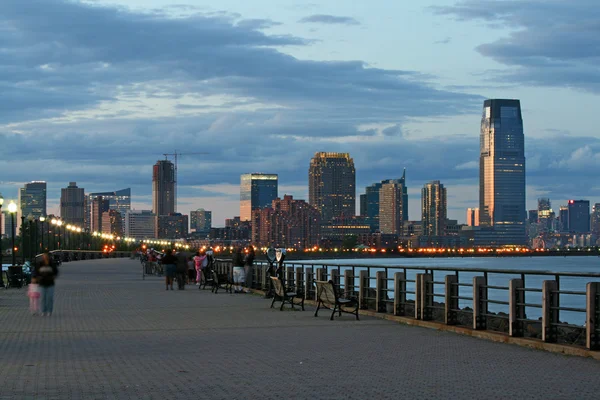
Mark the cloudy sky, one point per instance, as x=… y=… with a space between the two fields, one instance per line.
x=97 y=91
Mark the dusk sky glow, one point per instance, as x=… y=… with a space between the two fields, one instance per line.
x=96 y=91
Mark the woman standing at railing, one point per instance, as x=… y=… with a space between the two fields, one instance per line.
x=169 y=263
x=239 y=274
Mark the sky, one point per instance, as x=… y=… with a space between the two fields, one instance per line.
x=97 y=91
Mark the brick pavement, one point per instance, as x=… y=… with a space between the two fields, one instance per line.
x=116 y=336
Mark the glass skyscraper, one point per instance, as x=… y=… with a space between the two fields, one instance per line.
x=32 y=199
x=434 y=209
x=119 y=200
x=502 y=172
x=370 y=201
x=579 y=216
x=256 y=191
x=163 y=188
x=332 y=185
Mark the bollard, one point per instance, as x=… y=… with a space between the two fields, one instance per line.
x=516 y=312
x=264 y=278
x=308 y=282
x=593 y=316
x=451 y=299
x=380 y=290
x=426 y=297
x=549 y=311
x=399 y=293
x=479 y=303
x=418 y=298
x=348 y=282
x=363 y=282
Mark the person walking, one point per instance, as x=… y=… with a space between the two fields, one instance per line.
x=169 y=263
x=45 y=274
x=181 y=269
x=249 y=267
x=239 y=274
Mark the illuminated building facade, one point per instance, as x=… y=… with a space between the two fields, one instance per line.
x=332 y=185
x=256 y=191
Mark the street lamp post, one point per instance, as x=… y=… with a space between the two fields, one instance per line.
x=42 y=220
x=30 y=219
x=12 y=209
x=1 y=255
x=60 y=243
x=22 y=238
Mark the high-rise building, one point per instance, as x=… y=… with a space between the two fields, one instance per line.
x=332 y=185
x=391 y=208
x=472 y=216
x=72 y=205
x=433 y=209
x=172 y=226
x=563 y=219
x=370 y=201
x=502 y=172
x=32 y=200
x=99 y=207
x=7 y=224
x=579 y=216
x=545 y=215
x=112 y=223
x=595 y=219
x=119 y=200
x=287 y=223
x=140 y=224
x=256 y=191
x=163 y=188
x=201 y=221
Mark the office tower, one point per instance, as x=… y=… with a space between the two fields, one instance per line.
x=563 y=219
x=502 y=172
x=201 y=221
x=163 y=188
x=532 y=217
x=139 y=224
x=172 y=226
x=32 y=199
x=433 y=209
x=99 y=207
x=472 y=216
x=119 y=200
x=595 y=219
x=7 y=224
x=112 y=223
x=332 y=185
x=391 y=208
x=370 y=201
x=256 y=191
x=579 y=216
x=72 y=202
x=545 y=215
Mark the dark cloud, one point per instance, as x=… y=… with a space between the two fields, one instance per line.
x=329 y=20
x=553 y=42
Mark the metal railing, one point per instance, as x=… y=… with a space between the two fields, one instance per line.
x=554 y=307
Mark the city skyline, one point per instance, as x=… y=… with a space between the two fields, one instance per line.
x=253 y=83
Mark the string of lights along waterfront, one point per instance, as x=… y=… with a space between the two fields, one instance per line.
x=328 y=219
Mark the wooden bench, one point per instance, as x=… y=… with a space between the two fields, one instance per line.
x=221 y=281
x=329 y=297
x=280 y=293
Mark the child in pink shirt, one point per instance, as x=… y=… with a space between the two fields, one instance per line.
x=34 y=294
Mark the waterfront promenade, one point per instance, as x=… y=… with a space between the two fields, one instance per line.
x=114 y=335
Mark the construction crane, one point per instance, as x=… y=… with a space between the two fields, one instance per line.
x=175 y=155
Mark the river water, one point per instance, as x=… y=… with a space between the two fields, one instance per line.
x=579 y=264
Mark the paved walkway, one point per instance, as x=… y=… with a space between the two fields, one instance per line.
x=116 y=336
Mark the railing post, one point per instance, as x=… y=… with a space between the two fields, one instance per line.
x=348 y=281
x=298 y=284
x=593 y=316
x=516 y=312
x=308 y=282
x=451 y=301
x=289 y=277
x=418 y=298
x=549 y=311
x=335 y=277
x=426 y=297
x=320 y=274
x=480 y=305
x=399 y=293
x=363 y=286
x=381 y=293
x=265 y=279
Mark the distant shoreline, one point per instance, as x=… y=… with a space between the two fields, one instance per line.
x=358 y=255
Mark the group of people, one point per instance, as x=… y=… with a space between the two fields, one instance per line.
x=186 y=268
